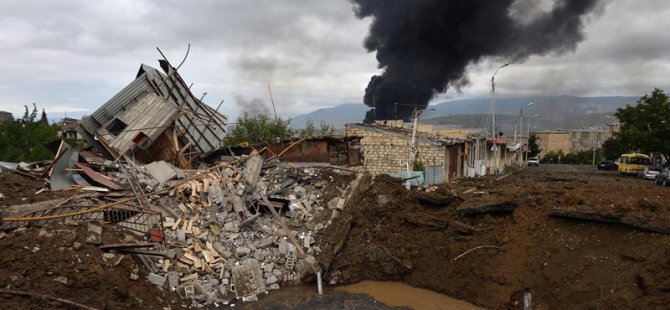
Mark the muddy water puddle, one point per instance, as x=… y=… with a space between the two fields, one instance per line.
x=370 y=295
x=399 y=294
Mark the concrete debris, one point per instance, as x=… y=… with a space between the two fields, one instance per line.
x=231 y=231
x=94 y=235
x=156 y=279
x=224 y=243
x=161 y=171
x=61 y=279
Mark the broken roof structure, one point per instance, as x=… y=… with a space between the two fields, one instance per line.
x=151 y=116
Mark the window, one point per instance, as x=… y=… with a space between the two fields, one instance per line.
x=116 y=126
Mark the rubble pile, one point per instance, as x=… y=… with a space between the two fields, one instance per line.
x=221 y=240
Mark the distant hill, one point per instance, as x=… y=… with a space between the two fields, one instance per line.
x=506 y=122
x=547 y=105
x=554 y=111
x=337 y=116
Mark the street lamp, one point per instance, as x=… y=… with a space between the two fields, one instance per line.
x=493 y=115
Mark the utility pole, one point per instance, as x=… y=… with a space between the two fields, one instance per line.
x=272 y=100
x=395 y=113
x=412 y=153
x=596 y=146
x=493 y=117
x=374 y=113
x=521 y=136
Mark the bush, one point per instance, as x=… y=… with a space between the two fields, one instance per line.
x=257 y=129
x=418 y=166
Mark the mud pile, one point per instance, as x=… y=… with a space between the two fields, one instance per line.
x=56 y=261
x=489 y=258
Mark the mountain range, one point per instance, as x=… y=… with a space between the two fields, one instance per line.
x=545 y=112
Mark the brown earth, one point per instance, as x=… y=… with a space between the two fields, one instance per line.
x=566 y=264
x=46 y=261
x=19 y=189
x=417 y=238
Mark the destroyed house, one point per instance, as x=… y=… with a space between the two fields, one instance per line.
x=155 y=117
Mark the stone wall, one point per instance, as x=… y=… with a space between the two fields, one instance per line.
x=386 y=153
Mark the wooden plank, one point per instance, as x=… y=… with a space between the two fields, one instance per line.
x=189 y=227
x=211 y=249
x=191 y=257
x=196 y=246
x=194 y=188
x=208 y=256
x=282 y=224
x=182 y=208
x=166 y=265
x=186 y=260
x=193 y=276
x=181 y=265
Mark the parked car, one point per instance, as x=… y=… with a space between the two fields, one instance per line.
x=533 y=161
x=663 y=177
x=649 y=173
x=608 y=165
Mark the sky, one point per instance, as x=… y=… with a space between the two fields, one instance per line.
x=70 y=57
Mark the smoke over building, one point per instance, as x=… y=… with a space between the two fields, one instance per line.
x=424 y=46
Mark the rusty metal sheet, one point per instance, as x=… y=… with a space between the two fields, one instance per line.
x=99 y=178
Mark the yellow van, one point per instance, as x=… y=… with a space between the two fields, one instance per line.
x=633 y=163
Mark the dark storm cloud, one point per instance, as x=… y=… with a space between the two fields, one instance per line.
x=73 y=55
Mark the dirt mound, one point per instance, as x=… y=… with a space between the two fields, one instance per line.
x=387 y=233
x=47 y=261
x=19 y=189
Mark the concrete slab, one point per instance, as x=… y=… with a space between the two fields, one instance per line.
x=156 y=279
x=161 y=171
x=248 y=279
x=94 y=234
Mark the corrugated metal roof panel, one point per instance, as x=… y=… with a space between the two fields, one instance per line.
x=203 y=125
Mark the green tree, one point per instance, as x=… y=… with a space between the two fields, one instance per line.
x=44 y=118
x=309 y=131
x=326 y=129
x=23 y=139
x=612 y=148
x=257 y=129
x=534 y=147
x=645 y=127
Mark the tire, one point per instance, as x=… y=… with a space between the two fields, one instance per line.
x=656 y=182
x=665 y=181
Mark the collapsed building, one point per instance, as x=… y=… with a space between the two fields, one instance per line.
x=155 y=117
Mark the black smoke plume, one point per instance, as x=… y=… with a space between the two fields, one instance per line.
x=424 y=46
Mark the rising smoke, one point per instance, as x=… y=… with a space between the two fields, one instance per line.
x=424 y=46
x=253 y=107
